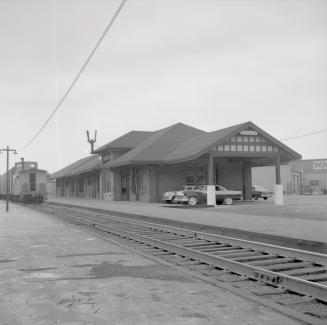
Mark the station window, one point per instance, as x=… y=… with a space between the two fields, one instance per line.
x=314 y=182
x=124 y=180
x=263 y=140
x=270 y=148
x=245 y=139
x=239 y=148
x=258 y=148
x=189 y=179
x=220 y=147
x=257 y=139
x=233 y=139
x=107 y=181
x=200 y=179
x=246 y=148
x=239 y=139
x=251 y=139
x=80 y=185
x=233 y=147
x=32 y=181
x=226 y=147
x=264 y=148
x=251 y=148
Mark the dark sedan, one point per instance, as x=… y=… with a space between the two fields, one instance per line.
x=198 y=195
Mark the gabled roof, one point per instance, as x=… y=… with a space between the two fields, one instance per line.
x=193 y=147
x=78 y=167
x=157 y=146
x=196 y=146
x=181 y=142
x=127 y=141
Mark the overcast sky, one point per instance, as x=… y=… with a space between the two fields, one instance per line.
x=206 y=63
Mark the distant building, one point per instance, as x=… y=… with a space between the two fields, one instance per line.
x=142 y=165
x=307 y=176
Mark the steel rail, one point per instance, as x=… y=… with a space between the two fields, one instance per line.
x=269 y=248
x=290 y=283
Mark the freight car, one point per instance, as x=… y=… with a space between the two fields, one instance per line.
x=27 y=183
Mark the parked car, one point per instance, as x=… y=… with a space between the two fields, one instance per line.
x=198 y=195
x=259 y=191
x=169 y=196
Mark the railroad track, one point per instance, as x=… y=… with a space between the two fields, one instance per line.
x=292 y=281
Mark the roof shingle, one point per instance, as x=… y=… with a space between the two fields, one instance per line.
x=126 y=141
x=156 y=147
x=78 y=167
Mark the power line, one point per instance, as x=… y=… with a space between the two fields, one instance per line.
x=78 y=74
x=304 y=135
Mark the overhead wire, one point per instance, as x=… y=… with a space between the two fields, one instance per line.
x=103 y=35
x=304 y=135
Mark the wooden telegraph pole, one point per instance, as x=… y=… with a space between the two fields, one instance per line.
x=7 y=187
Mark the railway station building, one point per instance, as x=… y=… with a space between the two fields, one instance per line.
x=142 y=165
x=79 y=179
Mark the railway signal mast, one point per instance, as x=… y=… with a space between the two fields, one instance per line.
x=7 y=185
x=91 y=141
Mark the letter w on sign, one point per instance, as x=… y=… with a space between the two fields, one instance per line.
x=318 y=165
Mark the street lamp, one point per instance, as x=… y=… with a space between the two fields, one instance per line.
x=7 y=190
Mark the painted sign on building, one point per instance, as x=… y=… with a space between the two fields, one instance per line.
x=249 y=132
x=319 y=165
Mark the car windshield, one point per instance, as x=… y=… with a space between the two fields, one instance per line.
x=259 y=188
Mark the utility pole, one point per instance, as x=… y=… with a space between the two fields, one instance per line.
x=91 y=141
x=7 y=191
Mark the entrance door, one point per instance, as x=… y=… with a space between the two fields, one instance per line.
x=124 y=184
x=138 y=178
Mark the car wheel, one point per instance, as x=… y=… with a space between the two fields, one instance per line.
x=256 y=197
x=265 y=198
x=192 y=200
x=228 y=201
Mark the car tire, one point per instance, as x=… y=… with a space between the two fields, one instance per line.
x=228 y=201
x=192 y=200
x=265 y=198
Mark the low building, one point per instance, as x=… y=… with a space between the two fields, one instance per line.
x=308 y=176
x=142 y=165
x=79 y=179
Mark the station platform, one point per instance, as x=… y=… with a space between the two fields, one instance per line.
x=55 y=273
x=300 y=218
